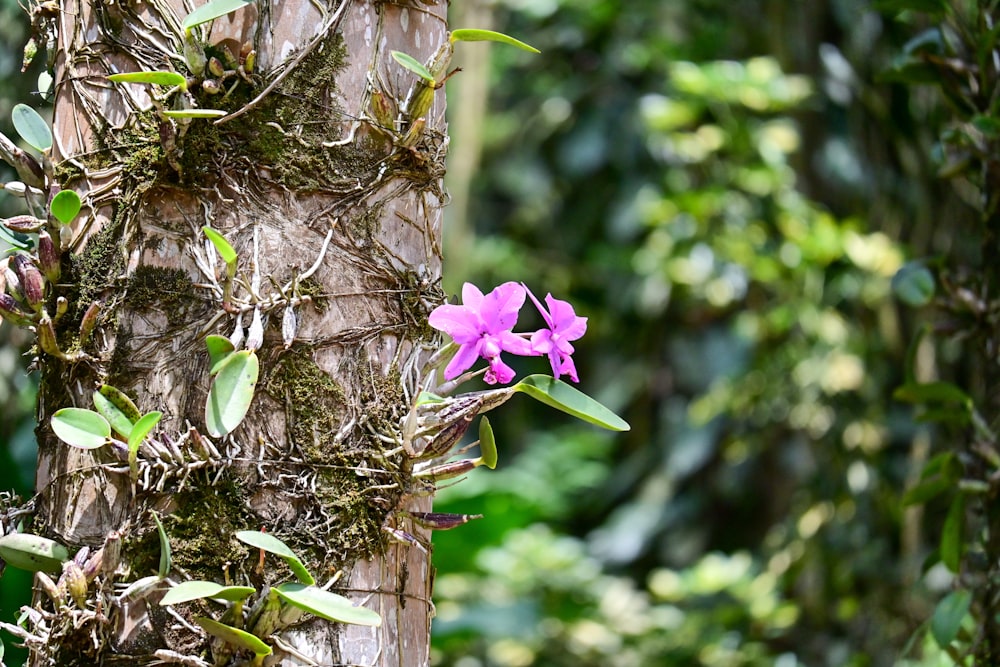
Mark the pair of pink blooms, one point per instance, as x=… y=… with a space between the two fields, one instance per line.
x=483 y=327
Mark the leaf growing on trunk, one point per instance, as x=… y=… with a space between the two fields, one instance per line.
x=474 y=35
x=272 y=544
x=32 y=127
x=159 y=78
x=561 y=396
x=196 y=590
x=81 y=428
x=211 y=11
x=231 y=393
x=327 y=605
x=238 y=638
x=65 y=205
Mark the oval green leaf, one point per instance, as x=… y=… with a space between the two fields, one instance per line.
x=231 y=393
x=211 y=11
x=142 y=429
x=561 y=396
x=196 y=590
x=166 y=558
x=194 y=113
x=914 y=284
x=32 y=127
x=237 y=638
x=414 y=65
x=272 y=544
x=121 y=401
x=487 y=444
x=81 y=428
x=327 y=605
x=948 y=616
x=65 y=205
x=158 y=78
x=118 y=420
x=951 y=534
x=219 y=349
x=225 y=250
x=473 y=35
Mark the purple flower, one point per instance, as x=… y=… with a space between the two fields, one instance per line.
x=481 y=327
x=564 y=326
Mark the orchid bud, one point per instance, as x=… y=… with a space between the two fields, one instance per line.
x=448 y=470
x=19 y=189
x=413 y=134
x=31 y=279
x=48 y=257
x=194 y=55
x=12 y=284
x=382 y=110
x=25 y=224
x=211 y=87
x=215 y=67
x=249 y=62
x=89 y=321
x=47 y=338
x=75 y=582
x=255 y=335
x=49 y=587
x=289 y=325
x=65 y=236
x=447 y=438
x=10 y=312
x=442 y=521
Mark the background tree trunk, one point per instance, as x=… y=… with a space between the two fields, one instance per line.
x=296 y=179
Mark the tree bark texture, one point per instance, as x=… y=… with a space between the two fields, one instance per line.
x=335 y=217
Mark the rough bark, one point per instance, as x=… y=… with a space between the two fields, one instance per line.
x=299 y=179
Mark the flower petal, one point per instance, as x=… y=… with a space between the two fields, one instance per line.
x=459 y=322
x=498 y=372
x=541 y=341
x=565 y=321
x=515 y=344
x=462 y=361
x=541 y=309
x=471 y=296
x=500 y=307
x=569 y=368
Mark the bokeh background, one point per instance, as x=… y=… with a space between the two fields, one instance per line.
x=726 y=190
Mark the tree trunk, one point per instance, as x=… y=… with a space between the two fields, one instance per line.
x=336 y=224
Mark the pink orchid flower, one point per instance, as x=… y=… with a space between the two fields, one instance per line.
x=564 y=325
x=481 y=327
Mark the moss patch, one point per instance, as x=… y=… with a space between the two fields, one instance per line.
x=166 y=290
x=314 y=403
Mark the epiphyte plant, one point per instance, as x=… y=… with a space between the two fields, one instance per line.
x=275 y=608
x=431 y=76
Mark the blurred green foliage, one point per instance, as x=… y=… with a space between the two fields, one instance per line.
x=726 y=190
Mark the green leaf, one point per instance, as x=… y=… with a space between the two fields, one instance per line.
x=561 y=396
x=81 y=428
x=65 y=205
x=427 y=398
x=139 y=433
x=951 y=534
x=272 y=544
x=166 y=559
x=914 y=284
x=940 y=474
x=122 y=402
x=121 y=424
x=473 y=35
x=414 y=65
x=225 y=250
x=219 y=349
x=196 y=590
x=487 y=444
x=948 y=616
x=931 y=392
x=929 y=6
x=194 y=113
x=231 y=393
x=233 y=636
x=159 y=78
x=32 y=127
x=211 y=11
x=327 y=605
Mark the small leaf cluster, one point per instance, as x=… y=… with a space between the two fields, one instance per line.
x=275 y=607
